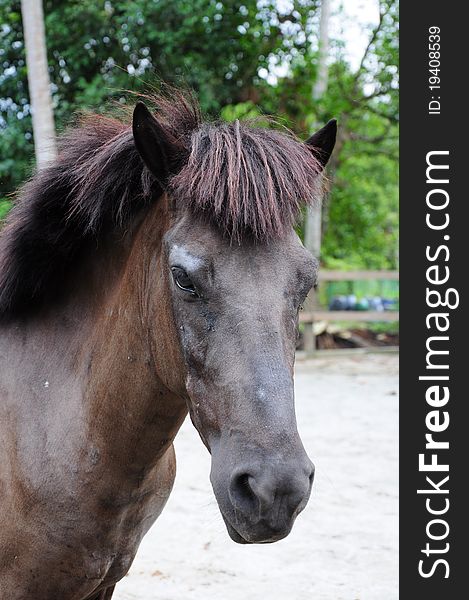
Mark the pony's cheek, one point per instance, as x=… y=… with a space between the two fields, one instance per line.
x=193 y=346
x=201 y=410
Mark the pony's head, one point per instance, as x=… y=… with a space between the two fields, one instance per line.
x=222 y=277
x=234 y=275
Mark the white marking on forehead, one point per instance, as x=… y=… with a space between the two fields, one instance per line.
x=179 y=255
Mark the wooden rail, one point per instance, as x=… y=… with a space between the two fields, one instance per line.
x=314 y=313
x=349 y=315
x=326 y=275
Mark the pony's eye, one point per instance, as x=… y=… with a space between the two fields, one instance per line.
x=183 y=281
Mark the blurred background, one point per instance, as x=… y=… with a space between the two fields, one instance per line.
x=303 y=61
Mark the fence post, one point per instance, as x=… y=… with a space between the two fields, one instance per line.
x=309 y=339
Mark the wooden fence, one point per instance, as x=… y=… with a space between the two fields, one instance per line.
x=314 y=313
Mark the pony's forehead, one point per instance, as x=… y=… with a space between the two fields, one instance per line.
x=180 y=254
x=198 y=243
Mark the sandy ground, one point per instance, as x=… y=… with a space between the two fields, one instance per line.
x=343 y=546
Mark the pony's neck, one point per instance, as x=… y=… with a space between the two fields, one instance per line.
x=133 y=409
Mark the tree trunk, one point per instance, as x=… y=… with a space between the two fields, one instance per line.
x=38 y=81
x=320 y=85
x=313 y=216
x=313 y=223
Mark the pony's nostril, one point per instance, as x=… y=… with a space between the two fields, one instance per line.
x=242 y=489
x=268 y=495
x=245 y=495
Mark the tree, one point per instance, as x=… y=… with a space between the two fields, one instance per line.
x=38 y=81
x=99 y=50
x=360 y=215
x=313 y=224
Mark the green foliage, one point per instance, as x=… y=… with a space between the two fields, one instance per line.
x=100 y=50
x=360 y=216
x=243 y=110
x=229 y=52
x=4 y=208
x=363 y=220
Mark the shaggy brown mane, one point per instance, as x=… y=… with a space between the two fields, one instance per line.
x=248 y=181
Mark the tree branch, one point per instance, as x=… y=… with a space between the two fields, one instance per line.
x=393 y=118
x=374 y=35
x=373 y=140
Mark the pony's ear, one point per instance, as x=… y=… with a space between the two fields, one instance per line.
x=323 y=141
x=156 y=146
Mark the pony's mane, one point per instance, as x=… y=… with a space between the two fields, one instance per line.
x=248 y=181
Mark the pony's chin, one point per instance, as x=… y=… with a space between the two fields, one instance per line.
x=239 y=539
x=234 y=535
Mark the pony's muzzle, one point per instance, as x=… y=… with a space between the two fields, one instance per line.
x=266 y=499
